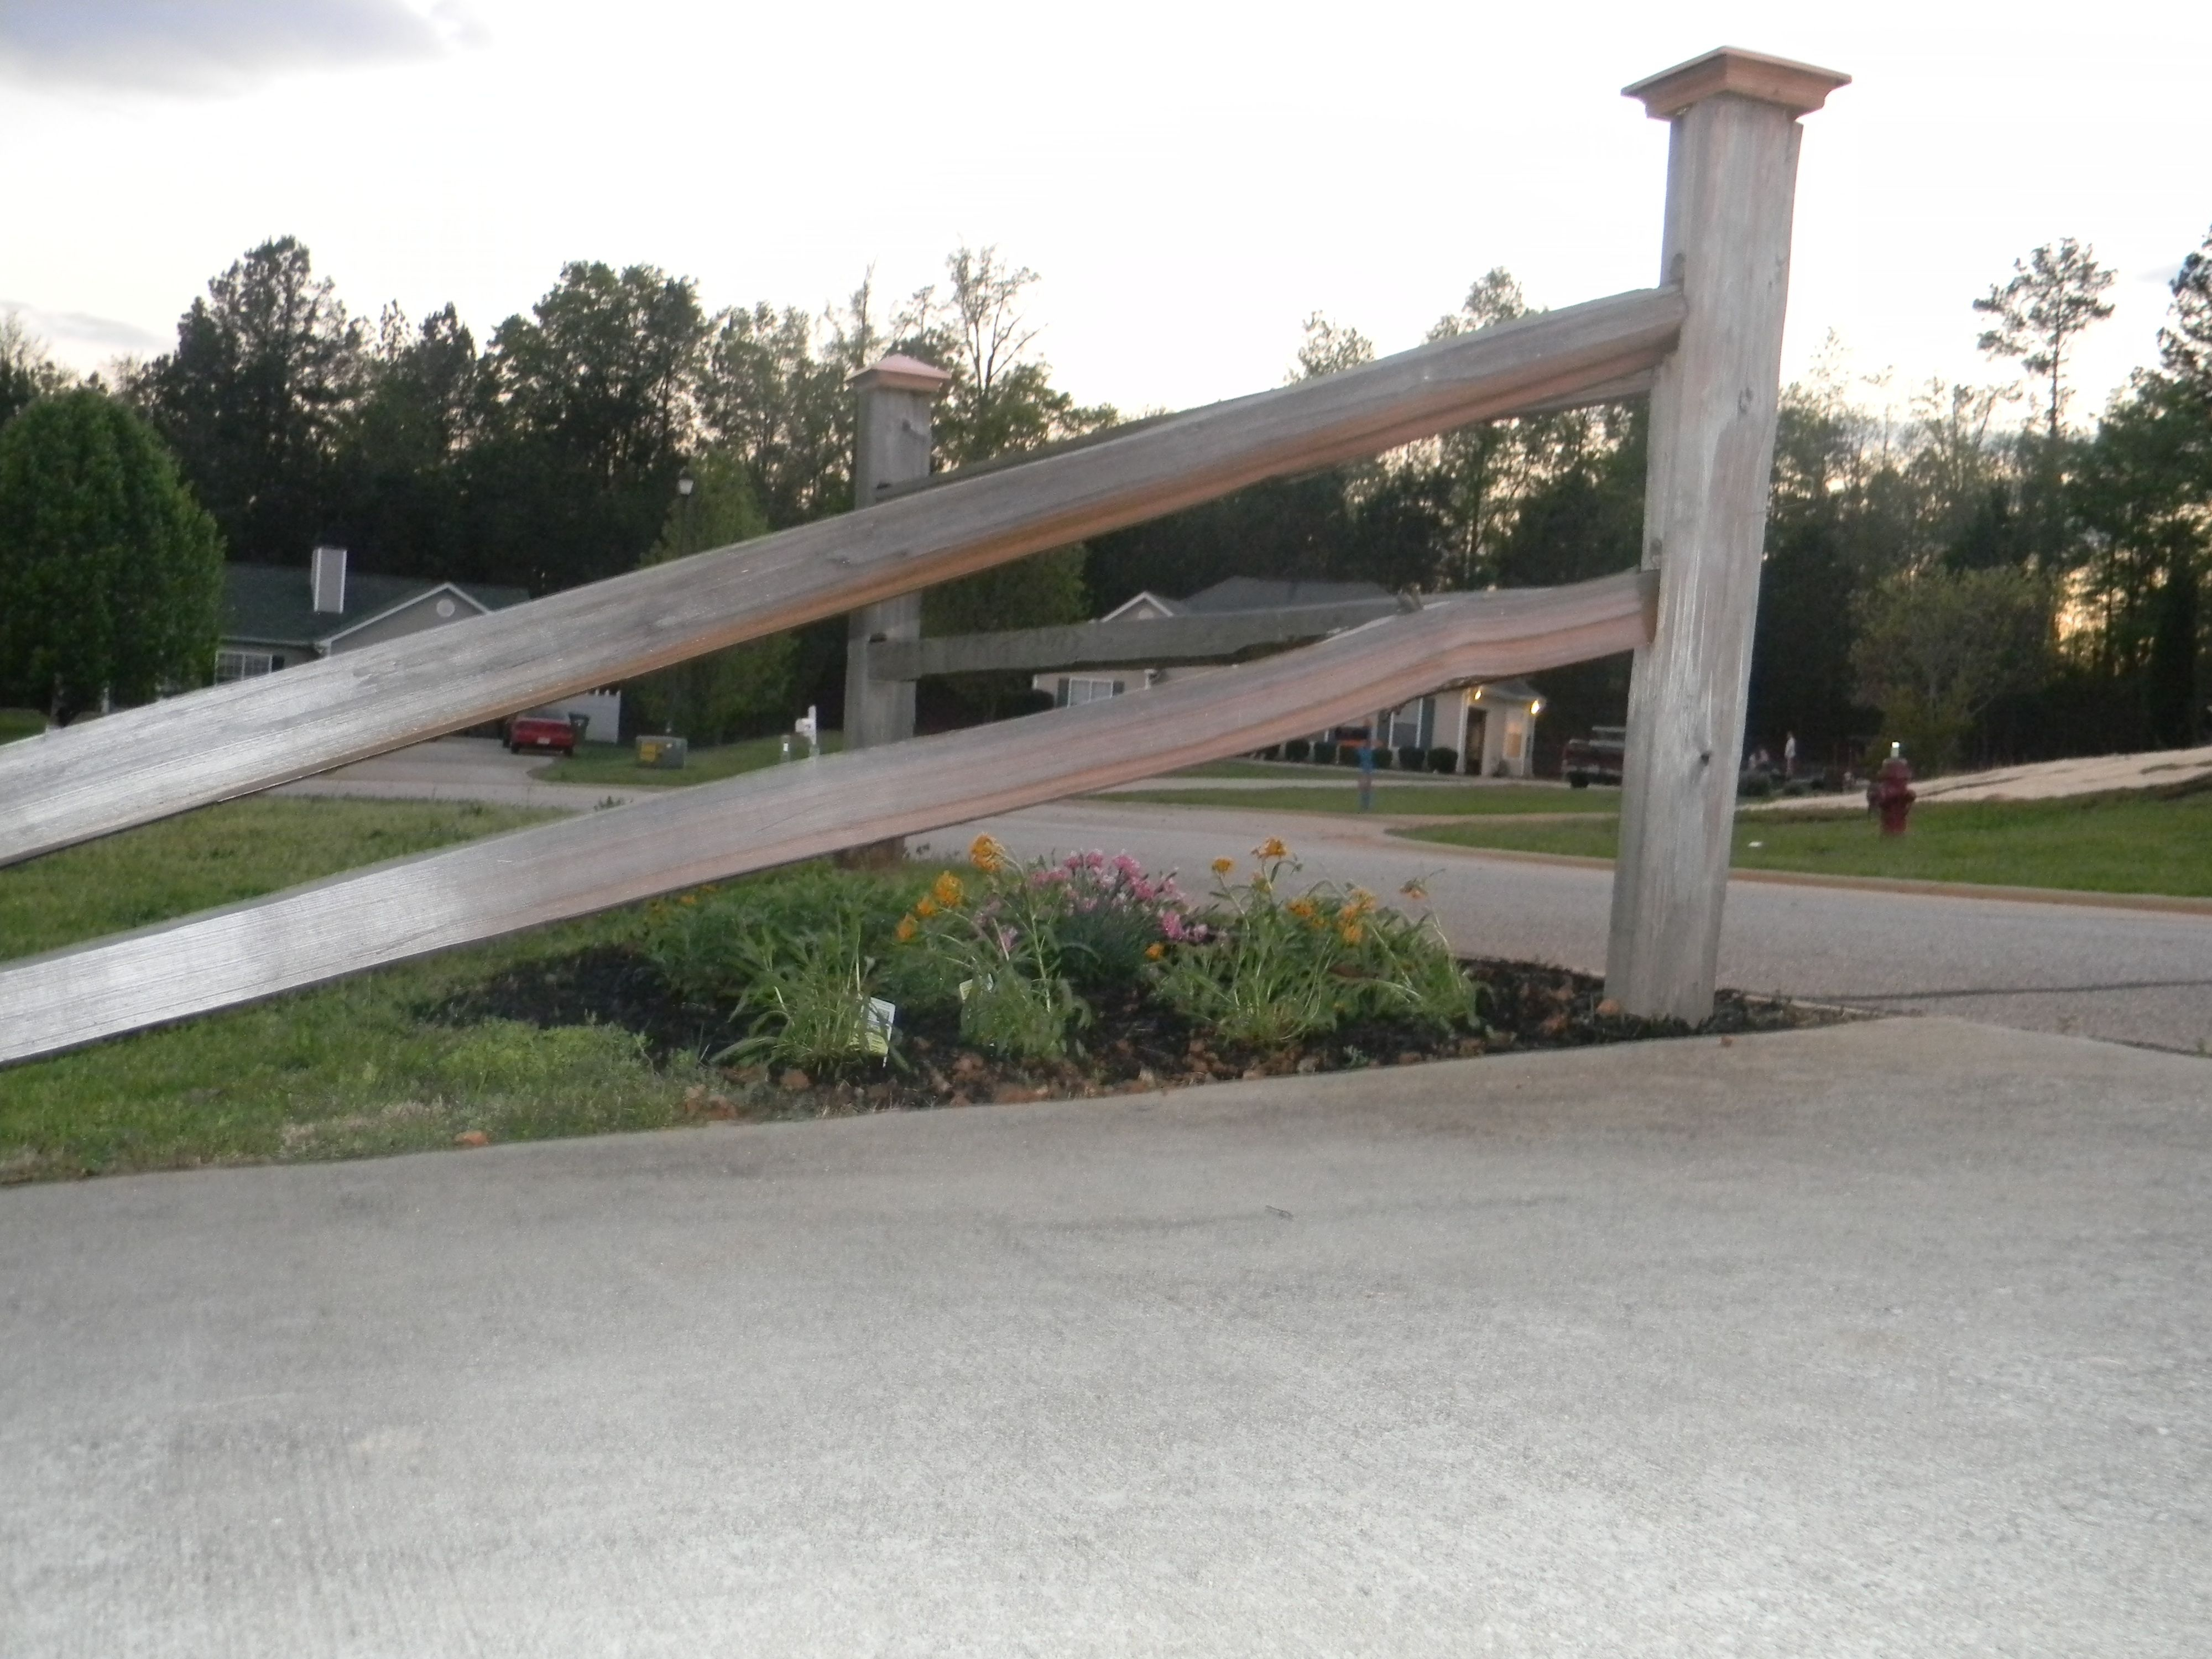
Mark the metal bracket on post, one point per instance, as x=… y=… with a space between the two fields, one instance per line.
x=891 y=446
x=1731 y=180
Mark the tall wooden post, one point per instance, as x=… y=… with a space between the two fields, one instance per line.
x=1731 y=178
x=891 y=446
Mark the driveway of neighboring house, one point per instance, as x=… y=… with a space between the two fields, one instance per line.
x=457 y=769
x=1879 y=1339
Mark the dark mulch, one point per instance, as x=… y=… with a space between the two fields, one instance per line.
x=1134 y=1045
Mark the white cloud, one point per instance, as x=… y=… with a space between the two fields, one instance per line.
x=65 y=329
x=200 y=46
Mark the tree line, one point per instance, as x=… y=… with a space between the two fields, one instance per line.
x=1975 y=572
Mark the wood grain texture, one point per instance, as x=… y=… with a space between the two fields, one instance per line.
x=233 y=739
x=892 y=447
x=412 y=906
x=1155 y=641
x=1731 y=176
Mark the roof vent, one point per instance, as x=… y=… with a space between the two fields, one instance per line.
x=328 y=579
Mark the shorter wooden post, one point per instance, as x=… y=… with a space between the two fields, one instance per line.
x=1731 y=180
x=891 y=446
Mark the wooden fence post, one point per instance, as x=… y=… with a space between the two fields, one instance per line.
x=1731 y=177
x=891 y=446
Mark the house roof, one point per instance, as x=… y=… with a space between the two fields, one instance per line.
x=276 y=603
x=1165 y=607
x=1264 y=593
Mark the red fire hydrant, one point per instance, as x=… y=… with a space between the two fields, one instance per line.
x=1890 y=794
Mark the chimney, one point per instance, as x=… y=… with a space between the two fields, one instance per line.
x=329 y=579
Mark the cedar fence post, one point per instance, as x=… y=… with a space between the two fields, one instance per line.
x=1731 y=177
x=891 y=446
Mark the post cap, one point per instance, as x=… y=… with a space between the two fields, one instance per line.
x=1800 y=88
x=899 y=373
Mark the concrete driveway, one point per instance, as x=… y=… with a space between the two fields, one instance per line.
x=1887 y=1338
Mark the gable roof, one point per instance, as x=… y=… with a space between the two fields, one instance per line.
x=1165 y=607
x=1267 y=593
x=275 y=604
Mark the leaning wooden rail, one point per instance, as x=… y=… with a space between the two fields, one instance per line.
x=1158 y=641
x=229 y=740
x=412 y=906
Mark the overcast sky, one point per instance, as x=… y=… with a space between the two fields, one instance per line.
x=1190 y=179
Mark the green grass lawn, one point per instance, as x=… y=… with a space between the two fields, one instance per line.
x=616 y=763
x=1342 y=795
x=2118 y=843
x=343 y=1071
x=20 y=723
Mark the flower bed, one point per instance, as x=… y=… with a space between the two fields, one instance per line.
x=821 y=989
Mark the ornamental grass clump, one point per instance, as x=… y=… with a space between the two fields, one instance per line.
x=1278 y=970
x=793 y=955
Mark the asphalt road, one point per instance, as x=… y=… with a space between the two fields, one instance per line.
x=1884 y=1338
x=2126 y=975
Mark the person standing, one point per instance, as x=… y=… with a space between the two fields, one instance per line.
x=1789 y=754
x=1367 y=773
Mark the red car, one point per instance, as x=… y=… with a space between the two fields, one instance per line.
x=539 y=731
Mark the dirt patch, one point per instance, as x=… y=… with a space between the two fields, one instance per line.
x=1132 y=1046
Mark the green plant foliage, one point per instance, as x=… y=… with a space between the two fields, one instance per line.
x=1276 y=970
x=110 y=576
x=808 y=996
x=705 y=941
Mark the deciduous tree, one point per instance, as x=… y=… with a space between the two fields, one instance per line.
x=110 y=574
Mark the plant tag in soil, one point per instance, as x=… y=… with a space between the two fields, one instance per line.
x=876 y=1039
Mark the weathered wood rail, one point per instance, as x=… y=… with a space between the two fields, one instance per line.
x=434 y=901
x=227 y=740
x=1157 y=640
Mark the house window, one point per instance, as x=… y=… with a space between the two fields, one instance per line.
x=241 y=665
x=1079 y=689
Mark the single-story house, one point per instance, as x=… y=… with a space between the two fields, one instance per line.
x=1491 y=725
x=275 y=616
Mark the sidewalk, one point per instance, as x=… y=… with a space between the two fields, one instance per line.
x=1882 y=1338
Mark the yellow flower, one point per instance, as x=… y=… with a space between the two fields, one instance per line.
x=986 y=854
x=948 y=891
x=1223 y=867
x=690 y=898
x=1273 y=847
x=907 y=929
x=1351 y=932
x=1302 y=909
x=927 y=907
x=1156 y=951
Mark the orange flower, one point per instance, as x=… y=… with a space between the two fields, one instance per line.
x=1351 y=932
x=986 y=854
x=1273 y=847
x=1413 y=889
x=907 y=929
x=928 y=907
x=1223 y=867
x=690 y=898
x=948 y=891
x=1155 y=951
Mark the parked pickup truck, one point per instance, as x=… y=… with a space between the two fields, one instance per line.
x=1596 y=759
x=540 y=731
